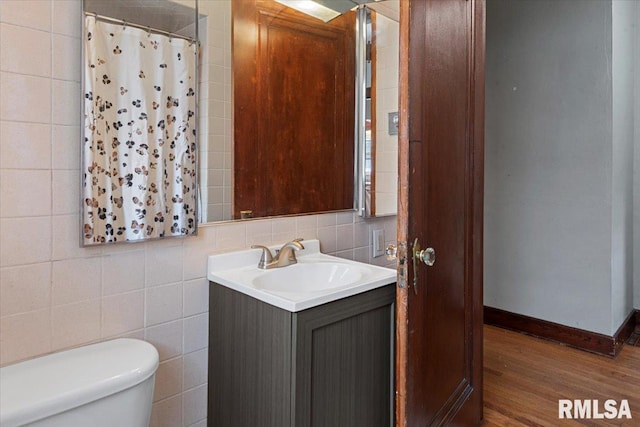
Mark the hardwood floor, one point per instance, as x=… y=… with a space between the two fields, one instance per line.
x=634 y=339
x=524 y=377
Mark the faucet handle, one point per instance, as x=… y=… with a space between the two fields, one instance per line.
x=292 y=255
x=266 y=257
x=294 y=245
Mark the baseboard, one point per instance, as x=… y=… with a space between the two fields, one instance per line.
x=566 y=335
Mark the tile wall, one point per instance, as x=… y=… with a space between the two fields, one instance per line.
x=387 y=72
x=216 y=109
x=54 y=294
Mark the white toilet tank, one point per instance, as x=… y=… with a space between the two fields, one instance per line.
x=107 y=384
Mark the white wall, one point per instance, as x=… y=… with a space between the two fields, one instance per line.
x=550 y=160
x=216 y=110
x=636 y=174
x=387 y=75
x=624 y=15
x=56 y=295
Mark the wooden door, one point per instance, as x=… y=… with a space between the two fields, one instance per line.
x=439 y=308
x=294 y=108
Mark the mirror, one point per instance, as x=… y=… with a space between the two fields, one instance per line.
x=219 y=165
x=378 y=155
x=281 y=106
x=225 y=168
x=140 y=82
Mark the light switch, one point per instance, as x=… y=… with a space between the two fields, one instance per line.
x=377 y=248
x=393 y=123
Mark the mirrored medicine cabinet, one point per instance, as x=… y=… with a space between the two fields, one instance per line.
x=188 y=122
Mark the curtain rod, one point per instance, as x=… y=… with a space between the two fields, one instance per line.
x=142 y=27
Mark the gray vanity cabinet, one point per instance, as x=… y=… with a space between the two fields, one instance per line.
x=330 y=365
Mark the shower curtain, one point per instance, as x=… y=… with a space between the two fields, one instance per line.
x=139 y=157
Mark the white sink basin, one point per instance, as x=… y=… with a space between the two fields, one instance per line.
x=308 y=277
x=316 y=279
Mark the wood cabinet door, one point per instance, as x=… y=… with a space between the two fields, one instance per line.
x=294 y=110
x=439 y=307
x=343 y=363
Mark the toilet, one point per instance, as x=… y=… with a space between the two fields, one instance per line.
x=100 y=385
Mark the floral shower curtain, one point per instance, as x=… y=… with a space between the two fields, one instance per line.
x=139 y=164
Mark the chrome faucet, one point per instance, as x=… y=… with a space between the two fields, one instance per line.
x=284 y=256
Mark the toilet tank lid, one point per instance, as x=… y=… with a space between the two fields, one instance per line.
x=57 y=382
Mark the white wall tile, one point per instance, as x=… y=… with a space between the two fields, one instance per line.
x=344 y=237
x=25 y=193
x=195 y=405
x=328 y=239
x=66 y=239
x=66 y=192
x=66 y=60
x=29 y=13
x=67 y=17
x=122 y=313
x=360 y=234
x=361 y=254
x=15 y=41
x=76 y=280
x=259 y=233
x=25 y=241
x=123 y=271
x=25 y=335
x=66 y=103
x=163 y=304
x=306 y=222
x=66 y=147
x=26 y=98
x=167 y=338
x=327 y=220
x=343 y=218
x=168 y=379
x=195 y=368
x=196 y=297
x=163 y=265
x=25 y=288
x=25 y=145
x=196 y=333
x=346 y=254
x=195 y=258
x=167 y=413
x=283 y=229
x=75 y=324
x=231 y=236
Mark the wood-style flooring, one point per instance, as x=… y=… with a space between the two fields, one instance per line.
x=634 y=339
x=524 y=377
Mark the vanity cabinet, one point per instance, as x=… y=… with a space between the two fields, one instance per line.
x=330 y=365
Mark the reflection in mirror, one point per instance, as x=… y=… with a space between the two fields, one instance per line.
x=139 y=155
x=378 y=143
x=281 y=138
x=237 y=182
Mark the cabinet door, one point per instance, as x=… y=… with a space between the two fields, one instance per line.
x=249 y=361
x=343 y=362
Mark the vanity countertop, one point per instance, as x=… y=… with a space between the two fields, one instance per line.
x=316 y=279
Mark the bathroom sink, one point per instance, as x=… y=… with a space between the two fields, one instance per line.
x=308 y=277
x=316 y=279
